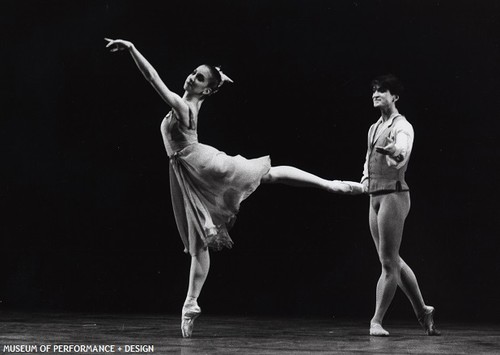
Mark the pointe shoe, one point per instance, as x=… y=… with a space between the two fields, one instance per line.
x=189 y=313
x=427 y=321
x=346 y=187
x=376 y=330
x=356 y=187
x=339 y=187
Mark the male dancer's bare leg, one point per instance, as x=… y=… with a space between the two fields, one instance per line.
x=409 y=285
x=387 y=215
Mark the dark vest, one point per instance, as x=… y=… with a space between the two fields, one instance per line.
x=381 y=177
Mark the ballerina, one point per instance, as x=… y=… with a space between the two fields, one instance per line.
x=207 y=185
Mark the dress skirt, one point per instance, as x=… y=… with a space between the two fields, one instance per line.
x=207 y=187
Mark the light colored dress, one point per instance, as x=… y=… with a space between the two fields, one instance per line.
x=206 y=185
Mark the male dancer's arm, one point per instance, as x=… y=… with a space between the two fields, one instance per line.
x=399 y=146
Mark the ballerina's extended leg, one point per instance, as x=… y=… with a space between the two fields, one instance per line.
x=290 y=175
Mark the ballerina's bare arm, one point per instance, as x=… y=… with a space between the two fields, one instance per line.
x=151 y=75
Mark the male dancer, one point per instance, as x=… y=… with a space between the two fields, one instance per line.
x=390 y=142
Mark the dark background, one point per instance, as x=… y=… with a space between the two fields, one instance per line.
x=86 y=221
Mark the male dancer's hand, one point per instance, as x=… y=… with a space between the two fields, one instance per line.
x=389 y=149
x=366 y=186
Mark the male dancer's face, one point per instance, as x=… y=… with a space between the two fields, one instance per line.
x=383 y=98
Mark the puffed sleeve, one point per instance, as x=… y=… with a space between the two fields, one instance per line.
x=403 y=136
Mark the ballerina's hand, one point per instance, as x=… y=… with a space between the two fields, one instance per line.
x=116 y=45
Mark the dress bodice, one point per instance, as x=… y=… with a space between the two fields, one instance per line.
x=176 y=135
x=207 y=185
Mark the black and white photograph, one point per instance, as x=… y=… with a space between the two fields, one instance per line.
x=249 y=177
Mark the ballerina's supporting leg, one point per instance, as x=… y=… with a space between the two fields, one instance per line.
x=290 y=175
x=200 y=265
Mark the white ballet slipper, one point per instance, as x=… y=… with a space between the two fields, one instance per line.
x=377 y=330
x=426 y=320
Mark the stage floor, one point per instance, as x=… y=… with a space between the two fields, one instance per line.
x=160 y=334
